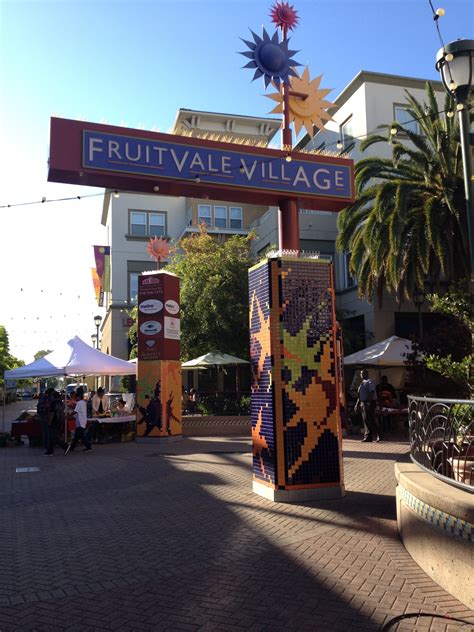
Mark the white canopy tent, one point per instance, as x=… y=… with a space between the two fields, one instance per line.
x=391 y=352
x=389 y=355
x=73 y=358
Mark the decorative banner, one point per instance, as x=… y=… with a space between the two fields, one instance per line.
x=158 y=316
x=102 y=262
x=99 y=293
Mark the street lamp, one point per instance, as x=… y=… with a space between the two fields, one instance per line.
x=419 y=299
x=455 y=63
x=97 y=321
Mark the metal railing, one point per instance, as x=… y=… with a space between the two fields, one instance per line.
x=442 y=438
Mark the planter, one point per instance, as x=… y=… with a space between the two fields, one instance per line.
x=463 y=470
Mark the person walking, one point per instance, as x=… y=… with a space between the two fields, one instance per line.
x=367 y=403
x=56 y=425
x=81 y=422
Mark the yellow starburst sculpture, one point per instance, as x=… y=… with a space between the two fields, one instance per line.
x=306 y=103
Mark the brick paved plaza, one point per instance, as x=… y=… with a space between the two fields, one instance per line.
x=145 y=537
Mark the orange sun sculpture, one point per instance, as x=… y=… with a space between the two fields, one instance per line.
x=158 y=249
x=306 y=103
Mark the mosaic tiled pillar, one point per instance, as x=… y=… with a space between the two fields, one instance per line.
x=296 y=408
x=159 y=368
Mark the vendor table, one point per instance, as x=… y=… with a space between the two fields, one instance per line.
x=119 y=419
x=30 y=428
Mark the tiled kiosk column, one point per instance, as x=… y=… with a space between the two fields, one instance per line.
x=296 y=408
x=159 y=367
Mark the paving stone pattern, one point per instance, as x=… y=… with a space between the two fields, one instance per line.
x=136 y=537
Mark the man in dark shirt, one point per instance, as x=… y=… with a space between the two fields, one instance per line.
x=367 y=402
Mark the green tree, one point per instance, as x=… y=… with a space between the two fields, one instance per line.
x=7 y=361
x=457 y=304
x=213 y=295
x=41 y=353
x=407 y=226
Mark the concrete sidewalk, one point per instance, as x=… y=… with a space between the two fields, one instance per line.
x=136 y=537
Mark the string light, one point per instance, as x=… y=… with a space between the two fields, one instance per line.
x=393 y=131
x=440 y=12
x=116 y=194
x=339 y=144
x=44 y=200
x=288 y=158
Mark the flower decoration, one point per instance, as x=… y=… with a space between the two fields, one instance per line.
x=284 y=15
x=271 y=58
x=158 y=249
x=306 y=103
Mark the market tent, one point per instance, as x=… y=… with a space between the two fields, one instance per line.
x=391 y=352
x=73 y=358
x=212 y=359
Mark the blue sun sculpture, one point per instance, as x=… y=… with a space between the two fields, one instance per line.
x=271 y=58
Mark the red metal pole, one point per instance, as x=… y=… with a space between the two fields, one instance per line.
x=288 y=220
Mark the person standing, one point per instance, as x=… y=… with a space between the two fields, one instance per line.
x=44 y=413
x=56 y=425
x=100 y=404
x=81 y=422
x=367 y=403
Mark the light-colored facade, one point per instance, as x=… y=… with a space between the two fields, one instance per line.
x=132 y=218
x=369 y=100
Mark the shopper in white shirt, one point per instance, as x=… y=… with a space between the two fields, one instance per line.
x=81 y=422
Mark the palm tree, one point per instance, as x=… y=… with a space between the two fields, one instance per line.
x=407 y=227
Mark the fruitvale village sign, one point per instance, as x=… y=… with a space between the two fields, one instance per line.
x=135 y=160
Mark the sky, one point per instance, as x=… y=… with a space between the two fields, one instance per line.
x=135 y=63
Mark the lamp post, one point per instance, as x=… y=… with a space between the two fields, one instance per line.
x=455 y=63
x=419 y=299
x=95 y=340
x=97 y=321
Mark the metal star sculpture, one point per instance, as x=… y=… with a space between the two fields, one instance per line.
x=271 y=58
x=306 y=103
x=284 y=15
x=158 y=249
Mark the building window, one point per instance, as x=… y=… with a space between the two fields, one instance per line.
x=204 y=214
x=347 y=132
x=133 y=286
x=235 y=216
x=405 y=118
x=220 y=216
x=147 y=224
x=348 y=280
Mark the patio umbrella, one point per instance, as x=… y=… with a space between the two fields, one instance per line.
x=212 y=359
x=215 y=359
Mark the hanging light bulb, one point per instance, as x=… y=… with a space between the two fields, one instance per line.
x=393 y=131
x=440 y=12
x=288 y=158
x=459 y=107
x=339 y=144
x=453 y=86
x=116 y=194
x=449 y=57
x=450 y=114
